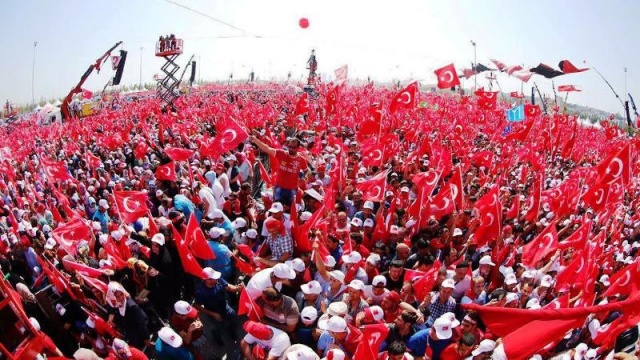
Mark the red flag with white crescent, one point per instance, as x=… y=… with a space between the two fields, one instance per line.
x=166 y=172
x=131 y=205
x=406 y=98
x=196 y=240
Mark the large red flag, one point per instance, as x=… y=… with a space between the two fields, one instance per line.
x=246 y=306
x=179 y=154
x=166 y=172
x=539 y=247
x=616 y=166
x=229 y=136
x=447 y=77
x=189 y=263
x=332 y=101
x=196 y=240
x=533 y=204
x=56 y=171
x=456 y=188
x=131 y=205
x=373 y=189
x=407 y=98
x=68 y=235
x=372 y=338
x=578 y=239
x=302 y=106
x=81 y=268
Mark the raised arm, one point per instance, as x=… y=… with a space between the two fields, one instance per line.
x=264 y=147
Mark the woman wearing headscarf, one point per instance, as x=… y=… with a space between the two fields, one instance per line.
x=163 y=283
x=127 y=315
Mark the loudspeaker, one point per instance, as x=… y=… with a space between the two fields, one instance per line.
x=120 y=69
x=193 y=72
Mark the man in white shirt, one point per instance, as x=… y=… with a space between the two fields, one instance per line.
x=272 y=340
x=271 y=277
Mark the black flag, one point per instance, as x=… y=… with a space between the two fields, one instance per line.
x=546 y=71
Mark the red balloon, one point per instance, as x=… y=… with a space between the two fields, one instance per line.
x=304 y=23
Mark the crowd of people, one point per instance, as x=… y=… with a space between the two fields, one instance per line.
x=348 y=232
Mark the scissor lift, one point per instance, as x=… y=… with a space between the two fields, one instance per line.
x=167 y=90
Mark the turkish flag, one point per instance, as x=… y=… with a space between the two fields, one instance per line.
x=81 y=268
x=246 y=306
x=373 y=155
x=196 y=240
x=447 y=77
x=131 y=205
x=332 y=101
x=141 y=150
x=372 y=338
x=302 y=106
x=531 y=110
x=341 y=74
x=616 y=166
x=597 y=196
x=625 y=281
x=424 y=284
x=567 y=88
x=568 y=68
x=178 y=154
x=514 y=211
x=166 y=172
x=93 y=160
x=442 y=203
x=189 y=263
x=486 y=104
x=516 y=95
x=102 y=326
x=407 y=98
x=56 y=171
x=482 y=158
x=86 y=94
x=67 y=235
x=426 y=181
x=244 y=267
x=570 y=274
x=491 y=96
x=533 y=203
x=539 y=247
x=229 y=136
x=373 y=189
x=457 y=191
x=578 y=239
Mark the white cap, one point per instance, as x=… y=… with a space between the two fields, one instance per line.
x=356 y=222
x=604 y=279
x=158 y=239
x=511 y=297
x=443 y=328
x=159 y=193
x=404 y=189
x=184 y=308
x=251 y=233
x=591 y=354
x=309 y=314
x=51 y=243
x=484 y=346
x=353 y=257
x=533 y=304
x=394 y=230
x=356 y=284
x=528 y=274
x=296 y=264
x=581 y=351
x=314 y=194
x=368 y=205
x=454 y=322
x=209 y=273
x=337 y=324
x=312 y=287
x=373 y=259
x=330 y=261
x=378 y=280
x=448 y=283
x=368 y=223
x=545 y=283
x=389 y=193
x=276 y=207
x=167 y=335
x=95 y=225
x=335 y=354
x=376 y=312
x=302 y=353
x=510 y=279
x=34 y=322
x=216 y=232
x=217 y=214
x=239 y=223
x=486 y=260
x=457 y=232
x=283 y=271
x=103 y=203
x=90 y=323
x=305 y=216
x=339 y=275
x=337 y=308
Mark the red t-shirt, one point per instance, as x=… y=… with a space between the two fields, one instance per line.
x=288 y=169
x=451 y=353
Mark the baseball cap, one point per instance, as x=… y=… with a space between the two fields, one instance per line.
x=337 y=308
x=457 y=232
x=379 y=280
x=368 y=223
x=448 y=283
x=209 y=273
x=296 y=264
x=330 y=261
x=394 y=230
x=373 y=313
x=309 y=314
x=251 y=233
x=167 y=335
x=356 y=284
x=302 y=353
x=442 y=326
x=510 y=279
x=121 y=348
x=533 y=304
x=276 y=207
x=511 y=297
x=392 y=296
x=312 y=287
x=604 y=279
x=216 y=232
x=158 y=239
x=258 y=330
x=368 y=205
x=239 y=223
x=337 y=324
x=454 y=322
x=50 y=244
x=485 y=345
x=103 y=203
x=217 y=214
x=339 y=275
x=356 y=222
x=335 y=354
x=353 y=257
x=314 y=194
x=183 y=308
x=305 y=216
x=283 y=271
x=581 y=351
x=486 y=260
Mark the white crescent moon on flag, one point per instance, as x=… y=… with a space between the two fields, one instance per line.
x=402 y=98
x=627 y=278
x=491 y=217
x=166 y=171
x=127 y=208
x=600 y=197
x=378 y=155
x=548 y=243
x=489 y=95
x=447 y=76
x=378 y=192
x=619 y=162
x=454 y=191
x=233 y=133
x=446 y=204
x=581 y=265
x=435 y=178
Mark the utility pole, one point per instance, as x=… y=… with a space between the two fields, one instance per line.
x=475 y=66
x=625 y=84
x=33 y=74
x=141 y=48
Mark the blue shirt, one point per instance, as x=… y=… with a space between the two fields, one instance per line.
x=167 y=352
x=184 y=205
x=213 y=299
x=222 y=262
x=103 y=219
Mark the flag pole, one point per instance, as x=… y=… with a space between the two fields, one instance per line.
x=544 y=103
x=610 y=87
x=555 y=96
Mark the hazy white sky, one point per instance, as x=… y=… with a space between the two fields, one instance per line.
x=385 y=40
